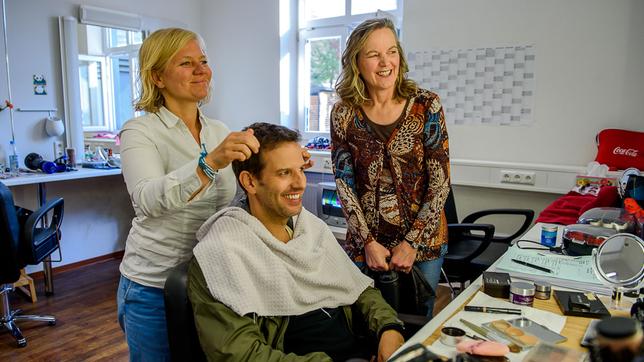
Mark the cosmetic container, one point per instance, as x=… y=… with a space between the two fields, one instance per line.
x=522 y=293
x=450 y=336
x=548 y=235
x=542 y=290
x=619 y=339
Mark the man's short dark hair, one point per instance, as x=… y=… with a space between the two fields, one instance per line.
x=269 y=136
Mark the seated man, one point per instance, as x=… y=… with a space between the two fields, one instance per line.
x=270 y=282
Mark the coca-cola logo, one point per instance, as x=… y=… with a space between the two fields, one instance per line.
x=631 y=152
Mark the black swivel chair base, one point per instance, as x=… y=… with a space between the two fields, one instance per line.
x=9 y=317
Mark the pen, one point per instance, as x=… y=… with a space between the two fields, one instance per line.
x=471 y=308
x=532 y=265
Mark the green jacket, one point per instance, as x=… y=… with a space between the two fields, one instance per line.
x=226 y=336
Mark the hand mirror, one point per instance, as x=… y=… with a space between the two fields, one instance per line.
x=619 y=263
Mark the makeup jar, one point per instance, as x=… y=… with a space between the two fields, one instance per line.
x=549 y=235
x=450 y=336
x=618 y=339
x=542 y=290
x=522 y=293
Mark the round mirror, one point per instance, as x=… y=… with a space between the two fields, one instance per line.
x=619 y=261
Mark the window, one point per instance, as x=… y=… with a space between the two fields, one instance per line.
x=92 y=83
x=322 y=30
x=108 y=63
x=321 y=69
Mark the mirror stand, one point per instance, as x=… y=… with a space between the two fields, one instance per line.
x=619 y=263
x=617 y=302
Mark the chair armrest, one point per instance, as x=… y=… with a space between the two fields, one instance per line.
x=31 y=225
x=414 y=320
x=527 y=221
x=413 y=323
x=464 y=231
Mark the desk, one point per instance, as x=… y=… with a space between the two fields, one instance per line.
x=41 y=180
x=573 y=329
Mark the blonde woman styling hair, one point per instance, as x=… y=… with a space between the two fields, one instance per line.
x=176 y=166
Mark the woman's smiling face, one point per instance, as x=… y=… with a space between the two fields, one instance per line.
x=379 y=61
x=187 y=76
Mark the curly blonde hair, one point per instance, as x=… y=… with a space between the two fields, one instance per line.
x=350 y=85
x=156 y=52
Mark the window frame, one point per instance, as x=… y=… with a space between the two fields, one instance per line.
x=106 y=91
x=304 y=83
x=109 y=59
x=320 y=28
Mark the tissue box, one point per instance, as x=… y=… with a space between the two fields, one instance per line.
x=591 y=184
x=496 y=284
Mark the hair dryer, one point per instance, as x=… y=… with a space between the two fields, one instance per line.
x=34 y=161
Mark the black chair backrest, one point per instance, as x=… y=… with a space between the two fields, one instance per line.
x=39 y=240
x=182 y=333
x=9 y=238
x=450 y=208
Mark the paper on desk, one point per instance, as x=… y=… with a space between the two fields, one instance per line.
x=550 y=320
x=569 y=272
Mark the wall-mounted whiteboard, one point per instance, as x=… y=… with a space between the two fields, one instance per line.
x=491 y=86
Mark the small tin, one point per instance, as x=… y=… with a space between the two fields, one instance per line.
x=450 y=336
x=522 y=293
x=548 y=235
x=542 y=290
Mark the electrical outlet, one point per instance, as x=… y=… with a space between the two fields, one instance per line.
x=518 y=177
x=326 y=164
x=527 y=178
x=506 y=176
x=510 y=177
x=59 y=150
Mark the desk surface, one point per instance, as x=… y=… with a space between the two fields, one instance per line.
x=573 y=329
x=36 y=178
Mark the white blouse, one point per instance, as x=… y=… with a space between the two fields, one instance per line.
x=159 y=159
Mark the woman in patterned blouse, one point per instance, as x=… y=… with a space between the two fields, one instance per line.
x=390 y=157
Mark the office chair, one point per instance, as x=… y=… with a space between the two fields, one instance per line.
x=470 y=254
x=25 y=239
x=182 y=332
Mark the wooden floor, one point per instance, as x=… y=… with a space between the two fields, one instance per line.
x=84 y=304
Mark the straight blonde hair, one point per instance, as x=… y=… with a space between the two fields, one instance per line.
x=350 y=85
x=156 y=52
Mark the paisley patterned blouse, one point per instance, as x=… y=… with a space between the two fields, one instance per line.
x=393 y=190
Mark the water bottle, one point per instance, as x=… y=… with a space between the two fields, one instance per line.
x=388 y=285
x=13 y=160
x=3 y=160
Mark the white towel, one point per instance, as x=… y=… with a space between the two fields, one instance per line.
x=251 y=271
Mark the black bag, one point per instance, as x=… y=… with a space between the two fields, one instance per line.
x=406 y=292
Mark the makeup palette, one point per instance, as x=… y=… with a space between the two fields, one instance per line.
x=524 y=332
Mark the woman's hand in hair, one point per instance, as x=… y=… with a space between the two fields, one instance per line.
x=307 y=158
x=237 y=146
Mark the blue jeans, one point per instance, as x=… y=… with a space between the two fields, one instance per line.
x=141 y=314
x=431 y=269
